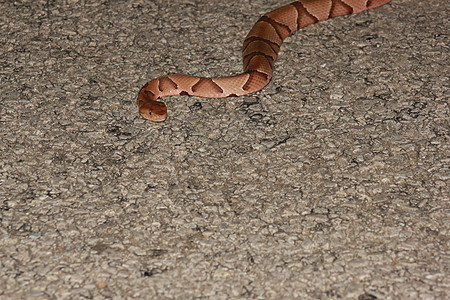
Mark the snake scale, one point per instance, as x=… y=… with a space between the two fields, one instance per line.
x=259 y=51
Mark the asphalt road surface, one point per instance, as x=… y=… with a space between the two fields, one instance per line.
x=330 y=183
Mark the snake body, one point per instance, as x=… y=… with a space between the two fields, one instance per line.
x=260 y=50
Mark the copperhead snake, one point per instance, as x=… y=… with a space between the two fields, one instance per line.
x=260 y=50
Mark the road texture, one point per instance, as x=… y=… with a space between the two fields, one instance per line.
x=330 y=183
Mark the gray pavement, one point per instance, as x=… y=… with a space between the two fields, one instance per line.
x=330 y=183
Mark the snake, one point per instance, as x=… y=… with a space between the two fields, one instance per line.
x=259 y=51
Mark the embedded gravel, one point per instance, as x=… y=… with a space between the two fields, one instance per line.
x=330 y=183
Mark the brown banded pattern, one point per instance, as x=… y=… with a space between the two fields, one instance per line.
x=259 y=50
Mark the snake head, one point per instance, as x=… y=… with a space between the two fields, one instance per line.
x=153 y=110
x=149 y=108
